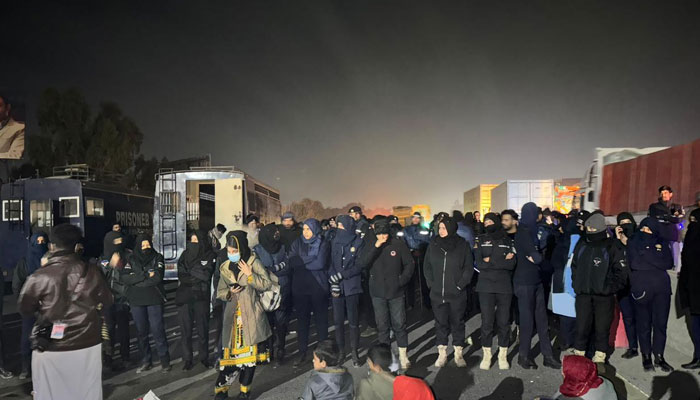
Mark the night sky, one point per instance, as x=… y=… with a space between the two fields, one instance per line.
x=388 y=104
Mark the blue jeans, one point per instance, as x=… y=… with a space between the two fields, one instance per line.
x=150 y=318
x=391 y=313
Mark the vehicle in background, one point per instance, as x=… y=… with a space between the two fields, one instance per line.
x=513 y=194
x=201 y=197
x=478 y=198
x=77 y=194
x=592 y=182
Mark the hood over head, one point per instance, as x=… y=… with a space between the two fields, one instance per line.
x=269 y=238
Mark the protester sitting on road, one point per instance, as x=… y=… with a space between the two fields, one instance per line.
x=66 y=295
x=379 y=384
x=328 y=381
x=246 y=327
x=409 y=388
x=581 y=381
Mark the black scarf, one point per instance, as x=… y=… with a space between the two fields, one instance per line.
x=110 y=247
x=238 y=240
x=450 y=241
x=195 y=252
x=269 y=238
x=143 y=257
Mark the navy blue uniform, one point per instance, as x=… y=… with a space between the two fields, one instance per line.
x=344 y=250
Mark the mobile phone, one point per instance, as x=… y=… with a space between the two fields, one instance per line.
x=234 y=286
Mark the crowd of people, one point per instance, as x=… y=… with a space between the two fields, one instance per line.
x=249 y=283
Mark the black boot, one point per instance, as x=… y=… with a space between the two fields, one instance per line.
x=661 y=363
x=695 y=364
x=552 y=362
x=526 y=363
x=300 y=360
x=355 y=359
x=279 y=358
x=646 y=363
x=630 y=353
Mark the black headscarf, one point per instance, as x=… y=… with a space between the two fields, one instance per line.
x=629 y=228
x=495 y=231
x=450 y=241
x=195 y=252
x=110 y=247
x=143 y=256
x=692 y=235
x=35 y=251
x=239 y=240
x=269 y=238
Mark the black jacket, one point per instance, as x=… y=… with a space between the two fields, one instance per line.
x=448 y=272
x=496 y=275
x=289 y=236
x=195 y=279
x=142 y=289
x=689 y=279
x=526 y=271
x=390 y=266
x=598 y=267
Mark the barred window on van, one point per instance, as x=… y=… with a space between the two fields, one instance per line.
x=94 y=207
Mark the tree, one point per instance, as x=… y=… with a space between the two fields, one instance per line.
x=68 y=135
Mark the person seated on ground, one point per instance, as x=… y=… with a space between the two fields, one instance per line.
x=379 y=384
x=409 y=388
x=581 y=381
x=328 y=381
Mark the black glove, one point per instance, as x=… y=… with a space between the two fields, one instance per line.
x=335 y=278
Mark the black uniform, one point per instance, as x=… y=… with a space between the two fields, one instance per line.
x=495 y=287
x=194 y=271
x=598 y=271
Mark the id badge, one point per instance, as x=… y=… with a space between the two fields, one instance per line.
x=58 y=330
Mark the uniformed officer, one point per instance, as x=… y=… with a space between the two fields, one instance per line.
x=417 y=238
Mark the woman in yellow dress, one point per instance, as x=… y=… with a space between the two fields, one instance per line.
x=245 y=327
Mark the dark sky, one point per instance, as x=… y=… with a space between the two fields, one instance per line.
x=387 y=104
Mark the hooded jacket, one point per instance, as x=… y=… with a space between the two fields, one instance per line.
x=142 y=288
x=68 y=290
x=689 y=279
x=310 y=260
x=448 y=266
x=331 y=383
x=649 y=258
x=598 y=267
x=390 y=266
x=271 y=254
x=345 y=248
x=195 y=268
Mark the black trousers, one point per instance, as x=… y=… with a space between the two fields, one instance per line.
x=627 y=307
x=495 y=307
x=532 y=312
x=342 y=306
x=449 y=319
x=366 y=307
x=117 y=321
x=279 y=322
x=594 y=313
x=567 y=331
x=217 y=316
x=652 y=309
x=190 y=315
x=391 y=314
x=304 y=305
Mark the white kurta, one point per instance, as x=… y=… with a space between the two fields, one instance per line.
x=73 y=374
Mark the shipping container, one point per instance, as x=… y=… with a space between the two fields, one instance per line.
x=513 y=194
x=633 y=184
x=478 y=198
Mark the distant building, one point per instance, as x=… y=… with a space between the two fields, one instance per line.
x=478 y=198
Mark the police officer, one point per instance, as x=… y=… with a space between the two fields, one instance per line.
x=417 y=238
x=650 y=257
x=362 y=228
x=624 y=231
x=362 y=225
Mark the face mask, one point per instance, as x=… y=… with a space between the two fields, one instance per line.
x=491 y=228
x=628 y=229
x=234 y=258
x=193 y=247
x=596 y=236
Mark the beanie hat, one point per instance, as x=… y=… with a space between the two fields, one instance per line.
x=287 y=215
x=596 y=223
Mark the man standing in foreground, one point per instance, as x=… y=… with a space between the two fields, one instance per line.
x=66 y=295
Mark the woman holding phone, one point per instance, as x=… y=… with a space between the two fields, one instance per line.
x=245 y=328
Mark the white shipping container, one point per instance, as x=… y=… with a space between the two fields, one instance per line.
x=513 y=194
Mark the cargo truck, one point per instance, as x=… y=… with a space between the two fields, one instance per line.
x=513 y=194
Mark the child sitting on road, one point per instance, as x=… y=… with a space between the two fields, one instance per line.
x=328 y=381
x=379 y=385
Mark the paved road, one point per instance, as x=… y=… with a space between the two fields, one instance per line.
x=448 y=383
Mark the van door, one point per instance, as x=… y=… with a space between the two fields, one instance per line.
x=228 y=208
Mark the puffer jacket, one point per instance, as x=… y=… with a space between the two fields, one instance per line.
x=67 y=290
